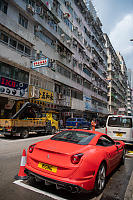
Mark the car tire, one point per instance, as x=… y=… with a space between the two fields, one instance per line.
x=100 y=179
x=8 y=136
x=24 y=134
x=123 y=157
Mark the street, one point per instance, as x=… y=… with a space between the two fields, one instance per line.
x=10 y=156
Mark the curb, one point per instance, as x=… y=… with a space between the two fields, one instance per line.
x=129 y=190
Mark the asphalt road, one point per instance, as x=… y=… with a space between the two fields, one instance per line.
x=10 y=189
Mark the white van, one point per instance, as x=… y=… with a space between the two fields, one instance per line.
x=120 y=127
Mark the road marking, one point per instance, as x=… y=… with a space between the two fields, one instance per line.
x=20 y=183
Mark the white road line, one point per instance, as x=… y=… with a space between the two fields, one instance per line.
x=20 y=183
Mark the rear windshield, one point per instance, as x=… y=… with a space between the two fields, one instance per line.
x=77 y=137
x=120 y=122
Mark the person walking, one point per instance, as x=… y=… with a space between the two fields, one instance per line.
x=93 y=124
x=61 y=123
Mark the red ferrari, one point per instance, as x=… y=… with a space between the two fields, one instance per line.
x=77 y=160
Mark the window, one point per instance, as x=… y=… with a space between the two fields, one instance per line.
x=77 y=137
x=12 y=72
x=105 y=141
x=120 y=122
x=27 y=50
x=3 y=6
x=20 y=47
x=4 y=37
x=23 y=21
x=13 y=43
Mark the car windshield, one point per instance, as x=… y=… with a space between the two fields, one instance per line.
x=120 y=122
x=77 y=137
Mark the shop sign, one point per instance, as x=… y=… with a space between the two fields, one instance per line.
x=88 y=105
x=40 y=63
x=13 y=88
x=46 y=95
x=122 y=109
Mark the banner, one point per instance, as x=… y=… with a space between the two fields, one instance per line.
x=13 y=88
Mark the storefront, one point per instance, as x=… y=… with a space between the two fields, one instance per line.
x=13 y=87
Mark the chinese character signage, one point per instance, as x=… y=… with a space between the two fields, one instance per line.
x=13 y=88
x=46 y=95
x=40 y=63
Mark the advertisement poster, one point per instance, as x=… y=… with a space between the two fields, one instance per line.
x=13 y=88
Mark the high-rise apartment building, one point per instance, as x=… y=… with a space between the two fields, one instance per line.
x=65 y=35
x=117 y=79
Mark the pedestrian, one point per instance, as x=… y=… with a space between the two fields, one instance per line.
x=61 y=123
x=93 y=124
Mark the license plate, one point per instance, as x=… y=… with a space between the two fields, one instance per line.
x=47 y=167
x=119 y=134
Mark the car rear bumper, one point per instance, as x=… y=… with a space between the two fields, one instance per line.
x=74 y=186
x=59 y=184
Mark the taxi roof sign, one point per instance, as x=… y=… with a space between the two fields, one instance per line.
x=40 y=63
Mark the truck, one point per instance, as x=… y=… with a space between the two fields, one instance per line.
x=28 y=120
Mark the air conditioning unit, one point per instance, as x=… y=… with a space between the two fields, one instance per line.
x=68 y=3
x=75 y=42
x=62 y=35
x=38 y=52
x=68 y=41
x=30 y=8
x=79 y=33
x=60 y=96
x=75 y=28
x=38 y=28
x=34 y=92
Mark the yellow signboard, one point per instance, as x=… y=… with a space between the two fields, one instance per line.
x=46 y=95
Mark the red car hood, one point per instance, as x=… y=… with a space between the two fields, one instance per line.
x=57 y=154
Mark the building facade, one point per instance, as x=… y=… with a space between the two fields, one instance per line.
x=117 y=80
x=69 y=35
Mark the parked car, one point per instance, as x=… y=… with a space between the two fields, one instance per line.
x=77 y=160
x=120 y=127
x=77 y=123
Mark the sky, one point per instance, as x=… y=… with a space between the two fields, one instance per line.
x=117 y=20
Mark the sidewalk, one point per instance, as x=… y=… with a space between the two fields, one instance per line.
x=129 y=191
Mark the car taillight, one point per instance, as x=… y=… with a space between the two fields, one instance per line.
x=31 y=148
x=106 y=130
x=76 y=158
